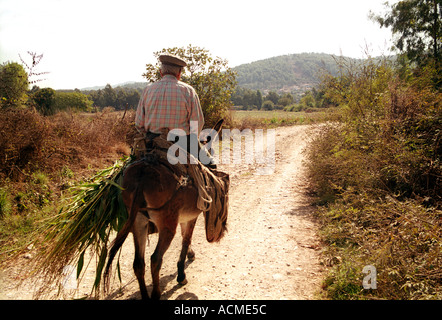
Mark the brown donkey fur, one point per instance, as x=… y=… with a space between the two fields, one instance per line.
x=157 y=202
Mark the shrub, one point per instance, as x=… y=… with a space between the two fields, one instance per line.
x=268 y=105
x=23 y=133
x=44 y=100
x=5 y=204
x=379 y=173
x=65 y=101
x=13 y=84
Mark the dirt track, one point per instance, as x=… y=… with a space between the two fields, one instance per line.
x=271 y=250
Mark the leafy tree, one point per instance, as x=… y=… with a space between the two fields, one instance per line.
x=13 y=85
x=268 y=105
x=132 y=98
x=258 y=99
x=72 y=100
x=44 y=100
x=211 y=78
x=285 y=100
x=417 y=26
x=307 y=101
x=272 y=96
x=109 y=95
x=98 y=98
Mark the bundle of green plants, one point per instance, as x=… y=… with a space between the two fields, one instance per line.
x=82 y=228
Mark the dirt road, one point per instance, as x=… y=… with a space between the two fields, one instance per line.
x=271 y=250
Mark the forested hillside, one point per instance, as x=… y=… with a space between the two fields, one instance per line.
x=294 y=73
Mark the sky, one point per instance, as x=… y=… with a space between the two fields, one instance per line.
x=94 y=42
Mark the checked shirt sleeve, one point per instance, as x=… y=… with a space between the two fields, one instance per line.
x=196 y=113
x=140 y=114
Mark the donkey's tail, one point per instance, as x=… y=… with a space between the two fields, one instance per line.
x=120 y=238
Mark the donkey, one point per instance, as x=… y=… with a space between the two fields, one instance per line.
x=156 y=204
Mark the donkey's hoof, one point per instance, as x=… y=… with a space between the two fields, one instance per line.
x=191 y=255
x=182 y=282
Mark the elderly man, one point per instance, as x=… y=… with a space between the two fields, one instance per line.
x=172 y=104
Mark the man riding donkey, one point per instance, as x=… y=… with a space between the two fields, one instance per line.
x=159 y=192
x=170 y=104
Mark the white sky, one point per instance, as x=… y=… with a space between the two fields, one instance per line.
x=94 y=42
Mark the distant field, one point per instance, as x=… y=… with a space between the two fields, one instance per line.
x=280 y=118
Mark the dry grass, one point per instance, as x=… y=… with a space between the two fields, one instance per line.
x=32 y=142
x=41 y=157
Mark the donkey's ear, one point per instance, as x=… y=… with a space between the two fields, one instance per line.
x=218 y=125
x=208 y=135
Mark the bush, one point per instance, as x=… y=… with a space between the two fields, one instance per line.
x=32 y=142
x=268 y=105
x=23 y=133
x=65 y=101
x=389 y=140
x=379 y=173
x=13 y=85
x=44 y=100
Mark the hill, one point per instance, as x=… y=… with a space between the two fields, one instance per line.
x=289 y=73
x=127 y=85
x=293 y=73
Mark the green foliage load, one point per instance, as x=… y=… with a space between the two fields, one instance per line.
x=84 y=225
x=211 y=78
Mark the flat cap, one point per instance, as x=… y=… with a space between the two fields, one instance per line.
x=173 y=60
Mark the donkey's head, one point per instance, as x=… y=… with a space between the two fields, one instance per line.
x=209 y=135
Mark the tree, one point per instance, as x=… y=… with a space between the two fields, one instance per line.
x=72 y=100
x=110 y=96
x=98 y=98
x=259 y=99
x=286 y=100
x=44 y=100
x=13 y=85
x=268 y=105
x=417 y=26
x=211 y=78
x=272 y=96
x=307 y=101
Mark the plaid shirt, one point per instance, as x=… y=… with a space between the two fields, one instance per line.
x=171 y=104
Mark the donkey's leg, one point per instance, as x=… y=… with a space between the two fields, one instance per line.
x=140 y=234
x=186 y=231
x=166 y=234
x=184 y=226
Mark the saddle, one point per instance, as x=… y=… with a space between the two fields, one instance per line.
x=212 y=185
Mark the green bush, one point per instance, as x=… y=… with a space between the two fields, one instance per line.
x=44 y=100
x=13 y=85
x=379 y=174
x=5 y=204
x=72 y=101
